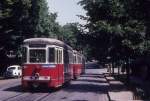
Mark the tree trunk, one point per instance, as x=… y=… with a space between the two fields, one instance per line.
x=118 y=70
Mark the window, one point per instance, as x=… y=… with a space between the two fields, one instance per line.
x=59 y=56
x=11 y=68
x=24 y=54
x=51 y=57
x=79 y=59
x=19 y=68
x=37 y=55
x=70 y=57
x=75 y=60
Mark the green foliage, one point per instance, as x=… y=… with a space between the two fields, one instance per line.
x=71 y=34
x=42 y=21
x=22 y=19
x=13 y=14
x=116 y=27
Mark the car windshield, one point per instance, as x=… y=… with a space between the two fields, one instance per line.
x=11 y=68
x=37 y=55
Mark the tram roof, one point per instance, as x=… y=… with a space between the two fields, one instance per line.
x=47 y=41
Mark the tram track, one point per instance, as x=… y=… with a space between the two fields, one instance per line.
x=42 y=97
x=88 y=87
x=6 y=84
x=13 y=97
x=56 y=96
x=28 y=97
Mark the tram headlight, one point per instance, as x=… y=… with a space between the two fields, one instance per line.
x=24 y=67
x=47 y=78
x=44 y=78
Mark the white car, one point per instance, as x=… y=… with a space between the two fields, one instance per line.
x=13 y=71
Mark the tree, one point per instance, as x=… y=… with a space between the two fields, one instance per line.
x=21 y=19
x=12 y=13
x=70 y=34
x=42 y=22
x=111 y=25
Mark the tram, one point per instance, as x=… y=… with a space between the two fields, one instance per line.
x=78 y=66
x=49 y=62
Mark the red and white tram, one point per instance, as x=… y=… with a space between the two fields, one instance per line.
x=77 y=67
x=49 y=62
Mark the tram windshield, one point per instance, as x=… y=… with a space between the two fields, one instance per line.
x=37 y=55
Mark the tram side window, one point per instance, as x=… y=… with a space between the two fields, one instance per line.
x=24 y=54
x=37 y=56
x=72 y=58
x=78 y=59
x=51 y=57
x=60 y=56
x=57 y=56
x=75 y=59
x=70 y=61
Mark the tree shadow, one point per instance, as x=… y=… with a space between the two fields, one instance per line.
x=14 y=89
x=87 y=88
x=94 y=81
x=92 y=85
x=7 y=78
x=92 y=75
x=115 y=84
x=18 y=88
x=118 y=88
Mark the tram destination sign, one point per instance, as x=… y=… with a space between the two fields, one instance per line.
x=37 y=45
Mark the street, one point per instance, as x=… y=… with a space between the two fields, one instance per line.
x=92 y=86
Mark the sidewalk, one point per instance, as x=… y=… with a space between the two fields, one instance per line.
x=117 y=90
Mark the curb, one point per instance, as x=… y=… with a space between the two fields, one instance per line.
x=108 y=87
x=112 y=95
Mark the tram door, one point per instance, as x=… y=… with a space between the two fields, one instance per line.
x=59 y=60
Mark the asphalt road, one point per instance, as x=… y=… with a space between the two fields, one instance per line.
x=91 y=86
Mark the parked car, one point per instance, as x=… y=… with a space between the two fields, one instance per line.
x=13 y=71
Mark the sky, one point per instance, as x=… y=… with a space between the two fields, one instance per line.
x=67 y=11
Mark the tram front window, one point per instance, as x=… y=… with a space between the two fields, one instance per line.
x=38 y=56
